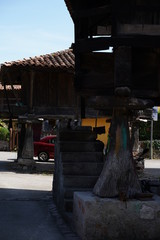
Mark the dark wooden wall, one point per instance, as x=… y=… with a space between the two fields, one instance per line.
x=51 y=90
x=42 y=92
x=132 y=28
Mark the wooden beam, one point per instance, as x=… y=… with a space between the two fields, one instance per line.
x=146 y=8
x=122 y=68
x=83 y=106
x=103 y=43
x=95 y=92
x=93 y=80
x=130 y=103
x=92 y=12
x=92 y=44
x=114 y=18
x=144 y=93
x=142 y=29
x=122 y=8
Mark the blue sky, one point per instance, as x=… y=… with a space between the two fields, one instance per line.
x=30 y=28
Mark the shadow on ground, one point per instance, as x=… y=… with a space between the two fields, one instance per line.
x=9 y=194
x=11 y=165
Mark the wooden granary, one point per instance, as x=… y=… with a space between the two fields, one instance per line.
x=117 y=61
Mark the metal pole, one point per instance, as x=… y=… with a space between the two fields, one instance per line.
x=151 y=142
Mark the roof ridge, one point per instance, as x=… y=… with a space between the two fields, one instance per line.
x=56 y=60
x=38 y=56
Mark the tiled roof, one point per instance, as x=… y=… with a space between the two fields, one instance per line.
x=63 y=60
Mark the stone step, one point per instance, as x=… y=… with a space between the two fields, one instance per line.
x=81 y=156
x=69 y=135
x=69 y=192
x=96 y=146
x=82 y=168
x=80 y=181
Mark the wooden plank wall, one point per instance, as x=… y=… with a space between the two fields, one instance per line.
x=51 y=89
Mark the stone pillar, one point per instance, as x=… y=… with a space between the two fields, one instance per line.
x=28 y=147
x=118 y=177
x=21 y=137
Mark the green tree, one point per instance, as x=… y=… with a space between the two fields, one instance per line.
x=4 y=132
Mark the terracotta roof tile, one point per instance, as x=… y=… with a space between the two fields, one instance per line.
x=58 y=60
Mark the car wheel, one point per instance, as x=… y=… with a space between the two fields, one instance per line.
x=43 y=156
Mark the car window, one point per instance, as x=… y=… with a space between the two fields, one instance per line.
x=53 y=140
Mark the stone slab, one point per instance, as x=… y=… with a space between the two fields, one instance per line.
x=96 y=146
x=81 y=156
x=68 y=135
x=82 y=168
x=80 y=181
x=111 y=219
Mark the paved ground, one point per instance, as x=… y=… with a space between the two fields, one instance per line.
x=152 y=163
x=152 y=168
x=26 y=209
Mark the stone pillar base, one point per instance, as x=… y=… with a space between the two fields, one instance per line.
x=109 y=218
x=26 y=162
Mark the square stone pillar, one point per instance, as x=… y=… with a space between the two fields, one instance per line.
x=28 y=147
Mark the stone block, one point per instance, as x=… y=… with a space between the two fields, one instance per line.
x=82 y=168
x=96 y=146
x=81 y=157
x=111 y=219
x=80 y=181
x=68 y=135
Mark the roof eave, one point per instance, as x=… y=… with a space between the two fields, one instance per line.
x=69 y=7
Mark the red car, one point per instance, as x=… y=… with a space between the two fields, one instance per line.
x=44 y=148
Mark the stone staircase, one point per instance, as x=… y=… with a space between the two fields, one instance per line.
x=78 y=164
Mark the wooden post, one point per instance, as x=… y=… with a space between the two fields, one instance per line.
x=151 y=140
x=118 y=177
x=123 y=70
x=83 y=107
x=32 y=74
x=13 y=90
x=11 y=139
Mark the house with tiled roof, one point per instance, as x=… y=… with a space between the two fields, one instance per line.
x=38 y=87
x=41 y=85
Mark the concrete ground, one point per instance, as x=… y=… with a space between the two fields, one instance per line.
x=27 y=210
x=152 y=168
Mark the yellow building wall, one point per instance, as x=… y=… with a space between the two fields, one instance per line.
x=100 y=123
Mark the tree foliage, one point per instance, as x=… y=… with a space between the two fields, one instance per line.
x=4 y=132
x=145 y=130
